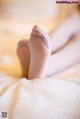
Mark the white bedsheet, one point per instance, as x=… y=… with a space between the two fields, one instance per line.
x=50 y=98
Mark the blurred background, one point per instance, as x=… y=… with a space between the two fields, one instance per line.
x=30 y=10
x=19 y=16
x=22 y=15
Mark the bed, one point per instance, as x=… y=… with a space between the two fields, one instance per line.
x=56 y=97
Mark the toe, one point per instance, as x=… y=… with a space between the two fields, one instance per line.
x=38 y=33
x=23 y=43
x=42 y=33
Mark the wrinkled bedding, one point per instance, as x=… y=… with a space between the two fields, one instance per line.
x=57 y=97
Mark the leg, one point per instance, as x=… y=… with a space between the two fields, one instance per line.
x=24 y=56
x=39 y=52
x=62 y=34
x=66 y=57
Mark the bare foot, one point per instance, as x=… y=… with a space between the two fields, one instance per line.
x=39 y=52
x=24 y=56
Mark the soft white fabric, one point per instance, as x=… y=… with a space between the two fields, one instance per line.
x=49 y=98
